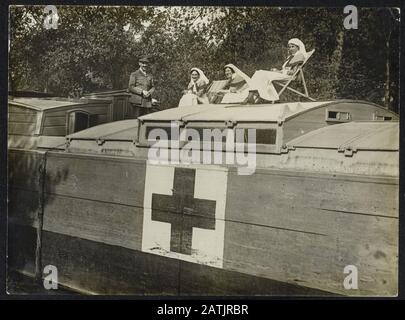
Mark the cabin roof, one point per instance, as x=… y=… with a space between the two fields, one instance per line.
x=180 y=112
x=218 y=112
x=117 y=130
x=32 y=94
x=359 y=135
x=244 y=113
x=108 y=93
x=41 y=104
x=367 y=135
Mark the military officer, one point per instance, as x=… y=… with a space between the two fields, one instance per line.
x=141 y=88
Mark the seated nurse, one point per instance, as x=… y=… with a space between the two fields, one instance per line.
x=261 y=81
x=235 y=88
x=196 y=89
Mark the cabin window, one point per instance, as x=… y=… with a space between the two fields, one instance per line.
x=158 y=133
x=79 y=120
x=382 y=118
x=338 y=116
x=208 y=134
x=333 y=115
x=263 y=136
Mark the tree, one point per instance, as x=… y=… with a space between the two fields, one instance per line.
x=96 y=48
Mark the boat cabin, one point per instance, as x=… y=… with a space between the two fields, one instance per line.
x=44 y=122
x=119 y=100
x=275 y=124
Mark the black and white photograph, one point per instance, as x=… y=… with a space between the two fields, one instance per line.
x=203 y=151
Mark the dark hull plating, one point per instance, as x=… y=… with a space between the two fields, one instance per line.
x=281 y=229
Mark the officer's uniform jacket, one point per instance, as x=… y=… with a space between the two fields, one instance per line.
x=139 y=81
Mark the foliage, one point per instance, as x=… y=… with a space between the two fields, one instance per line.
x=96 y=48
